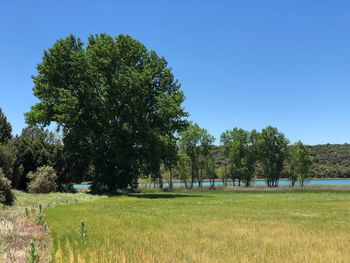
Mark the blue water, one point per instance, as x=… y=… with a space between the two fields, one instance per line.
x=81 y=186
x=255 y=182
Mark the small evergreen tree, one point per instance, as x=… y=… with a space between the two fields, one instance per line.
x=6 y=195
x=5 y=128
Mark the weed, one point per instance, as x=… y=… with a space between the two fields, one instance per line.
x=33 y=256
x=83 y=233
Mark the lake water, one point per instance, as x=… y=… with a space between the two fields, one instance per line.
x=255 y=182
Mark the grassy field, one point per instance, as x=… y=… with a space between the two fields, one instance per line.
x=18 y=225
x=208 y=226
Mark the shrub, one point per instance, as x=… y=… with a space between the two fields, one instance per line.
x=6 y=195
x=43 y=180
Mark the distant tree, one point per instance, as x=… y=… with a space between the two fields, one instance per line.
x=168 y=157
x=243 y=155
x=6 y=195
x=183 y=167
x=272 y=150
x=5 y=128
x=211 y=171
x=197 y=143
x=37 y=147
x=237 y=153
x=7 y=159
x=300 y=163
x=250 y=158
x=206 y=161
x=190 y=142
x=220 y=172
x=114 y=101
x=10 y=164
x=225 y=140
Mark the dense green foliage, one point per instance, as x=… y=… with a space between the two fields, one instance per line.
x=272 y=152
x=37 y=147
x=240 y=155
x=208 y=226
x=43 y=180
x=5 y=128
x=197 y=144
x=9 y=162
x=330 y=161
x=244 y=155
x=6 y=195
x=29 y=151
x=300 y=163
x=117 y=104
x=34 y=148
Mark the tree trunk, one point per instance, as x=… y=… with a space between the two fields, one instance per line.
x=171 y=179
x=192 y=179
x=160 y=182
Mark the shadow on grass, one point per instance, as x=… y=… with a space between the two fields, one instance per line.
x=162 y=196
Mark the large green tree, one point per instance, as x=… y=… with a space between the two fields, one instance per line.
x=300 y=163
x=117 y=104
x=272 y=149
x=5 y=128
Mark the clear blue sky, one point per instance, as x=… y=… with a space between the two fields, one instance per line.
x=241 y=63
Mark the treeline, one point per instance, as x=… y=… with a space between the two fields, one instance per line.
x=24 y=154
x=245 y=155
x=328 y=160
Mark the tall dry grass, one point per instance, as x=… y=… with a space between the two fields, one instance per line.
x=212 y=226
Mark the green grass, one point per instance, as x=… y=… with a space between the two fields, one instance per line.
x=209 y=226
x=17 y=229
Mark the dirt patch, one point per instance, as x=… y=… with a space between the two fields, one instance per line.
x=18 y=240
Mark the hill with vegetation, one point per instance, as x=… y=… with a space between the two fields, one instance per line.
x=328 y=160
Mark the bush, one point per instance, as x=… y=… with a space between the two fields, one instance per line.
x=6 y=195
x=43 y=180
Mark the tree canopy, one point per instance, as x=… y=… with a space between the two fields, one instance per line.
x=300 y=162
x=117 y=104
x=197 y=143
x=273 y=150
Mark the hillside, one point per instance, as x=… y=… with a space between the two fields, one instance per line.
x=329 y=160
